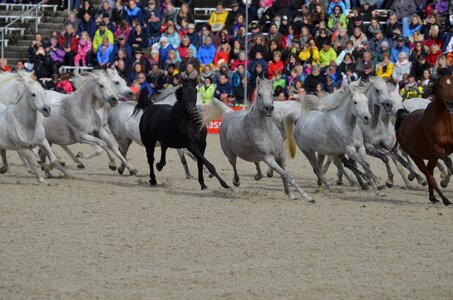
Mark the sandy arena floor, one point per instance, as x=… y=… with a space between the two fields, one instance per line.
x=102 y=235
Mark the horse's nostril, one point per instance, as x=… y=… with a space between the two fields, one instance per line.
x=366 y=118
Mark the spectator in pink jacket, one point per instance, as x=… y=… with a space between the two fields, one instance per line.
x=82 y=50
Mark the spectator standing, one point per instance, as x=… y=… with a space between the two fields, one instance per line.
x=84 y=48
x=153 y=22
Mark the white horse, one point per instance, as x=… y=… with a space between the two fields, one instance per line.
x=254 y=136
x=331 y=132
x=76 y=121
x=20 y=128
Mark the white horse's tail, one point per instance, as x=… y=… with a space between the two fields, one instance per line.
x=214 y=110
x=289 y=132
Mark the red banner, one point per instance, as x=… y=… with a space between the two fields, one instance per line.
x=214 y=125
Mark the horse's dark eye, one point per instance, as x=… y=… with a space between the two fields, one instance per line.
x=34 y=95
x=355 y=102
x=117 y=83
x=101 y=86
x=377 y=91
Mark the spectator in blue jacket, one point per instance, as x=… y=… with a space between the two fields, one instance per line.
x=105 y=54
x=153 y=22
x=224 y=90
x=133 y=12
x=207 y=51
x=144 y=84
x=335 y=3
x=400 y=47
x=88 y=25
x=259 y=60
x=164 y=48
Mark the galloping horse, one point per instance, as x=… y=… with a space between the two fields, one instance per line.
x=428 y=134
x=178 y=126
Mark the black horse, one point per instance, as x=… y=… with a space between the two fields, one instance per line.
x=178 y=126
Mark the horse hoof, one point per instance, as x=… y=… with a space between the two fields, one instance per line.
x=121 y=170
x=339 y=182
x=63 y=164
x=424 y=183
x=80 y=155
x=81 y=166
x=224 y=185
x=3 y=170
x=159 y=167
x=188 y=176
x=411 y=177
x=210 y=175
x=446 y=202
x=134 y=172
x=152 y=182
x=433 y=199
x=258 y=177
x=311 y=201
x=389 y=183
x=237 y=183
x=204 y=187
x=443 y=183
x=112 y=166
x=270 y=174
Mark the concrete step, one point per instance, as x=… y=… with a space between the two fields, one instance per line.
x=17 y=48
x=10 y=54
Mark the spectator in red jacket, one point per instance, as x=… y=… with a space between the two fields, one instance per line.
x=275 y=65
x=4 y=65
x=434 y=53
x=69 y=42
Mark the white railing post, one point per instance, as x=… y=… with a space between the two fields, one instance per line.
x=36 y=17
x=3 y=40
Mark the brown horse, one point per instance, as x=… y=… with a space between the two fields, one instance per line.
x=428 y=134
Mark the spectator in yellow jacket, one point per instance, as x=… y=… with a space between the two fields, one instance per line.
x=384 y=69
x=310 y=51
x=326 y=55
x=218 y=18
x=411 y=89
x=99 y=34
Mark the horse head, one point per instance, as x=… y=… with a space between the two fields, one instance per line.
x=359 y=106
x=33 y=91
x=119 y=84
x=444 y=92
x=187 y=93
x=379 y=94
x=104 y=89
x=264 y=96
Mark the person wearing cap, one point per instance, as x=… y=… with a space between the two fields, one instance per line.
x=122 y=44
x=87 y=24
x=356 y=20
x=326 y=55
x=108 y=23
x=376 y=41
x=384 y=69
x=400 y=47
x=133 y=12
x=99 y=34
x=374 y=27
x=378 y=54
x=364 y=61
x=153 y=22
x=192 y=34
x=236 y=10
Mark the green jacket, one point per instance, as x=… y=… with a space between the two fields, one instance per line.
x=97 y=40
x=207 y=93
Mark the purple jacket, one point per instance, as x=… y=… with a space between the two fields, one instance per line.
x=57 y=55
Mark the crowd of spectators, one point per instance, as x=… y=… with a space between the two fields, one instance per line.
x=313 y=48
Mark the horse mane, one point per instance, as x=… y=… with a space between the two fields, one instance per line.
x=142 y=103
x=6 y=77
x=332 y=101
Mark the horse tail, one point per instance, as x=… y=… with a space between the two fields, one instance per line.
x=214 y=110
x=289 y=132
x=220 y=106
x=401 y=114
x=143 y=101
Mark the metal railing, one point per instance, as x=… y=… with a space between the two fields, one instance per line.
x=3 y=29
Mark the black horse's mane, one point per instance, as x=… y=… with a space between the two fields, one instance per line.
x=143 y=101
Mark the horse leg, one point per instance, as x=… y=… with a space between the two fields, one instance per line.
x=74 y=158
x=28 y=155
x=96 y=152
x=5 y=167
x=408 y=165
x=232 y=161
x=341 y=171
x=348 y=163
x=160 y=165
x=376 y=153
x=184 y=163
x=270 y=173
x=430 y=168
x=281 y=163
x=201 y=160
x=444 y=175
x=186 y=152
x=360 y=157
x=270 y=161
x=103 y=135
x=322 y=178
x=400 y=169
x=150 y=156
x=45 y=146
x=258 y=174
x=123 y=147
